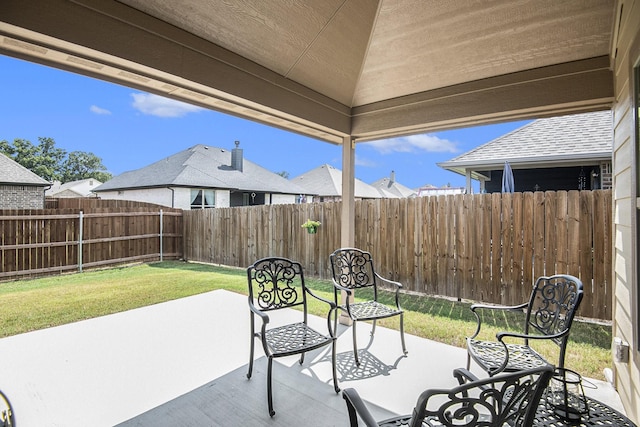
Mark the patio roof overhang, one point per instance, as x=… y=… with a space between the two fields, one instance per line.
x=338 y=69
x=341 y=71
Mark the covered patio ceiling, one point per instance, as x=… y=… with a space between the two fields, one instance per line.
x=335 y=69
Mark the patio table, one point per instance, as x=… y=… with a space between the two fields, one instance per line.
x=599 y=415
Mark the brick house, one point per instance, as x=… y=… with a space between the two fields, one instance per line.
x=19 y=187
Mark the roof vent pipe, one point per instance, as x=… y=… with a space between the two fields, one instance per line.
x=393 y=177
x=236 y=157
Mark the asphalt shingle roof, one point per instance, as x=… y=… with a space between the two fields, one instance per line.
x=393 y=187
x=202 y=166
x=325 y=180
x=571 y=137
x=12 y=172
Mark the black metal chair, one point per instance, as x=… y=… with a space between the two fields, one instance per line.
x=352 y=269
x=508 y=399
x=7 y=418
x=275 y=284
x=548 y=315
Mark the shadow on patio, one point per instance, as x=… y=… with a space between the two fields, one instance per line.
x=184 y=363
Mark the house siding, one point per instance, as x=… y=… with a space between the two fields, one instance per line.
x=282 y=199
x=626 y=375
x=158 y=196
x=21 y=197
x=179 y=197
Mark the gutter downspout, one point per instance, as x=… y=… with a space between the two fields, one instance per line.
x=44 y=195
x=173 y=196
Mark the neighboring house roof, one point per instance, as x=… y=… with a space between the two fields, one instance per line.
x=13 y=173
x=326 y=181
x=205 y=167
x=79 y=188
x=551 y=142
x=391 y=186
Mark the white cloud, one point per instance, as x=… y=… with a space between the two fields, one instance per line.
x=414 y=143
x=97 y=110
x=361 y=161
x=155 y=105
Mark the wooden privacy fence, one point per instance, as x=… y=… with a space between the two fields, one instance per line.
x=45 y=241
x=484 y=247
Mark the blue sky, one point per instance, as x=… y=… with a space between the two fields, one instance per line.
x=129 y=129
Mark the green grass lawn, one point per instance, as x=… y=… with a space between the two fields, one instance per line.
x=40 y=303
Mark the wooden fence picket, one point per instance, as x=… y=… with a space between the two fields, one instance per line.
x=484 y=247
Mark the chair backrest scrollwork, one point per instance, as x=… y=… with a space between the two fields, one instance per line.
x=553 y=305
x=276 y=283
x=503 y=400
x=352 y=268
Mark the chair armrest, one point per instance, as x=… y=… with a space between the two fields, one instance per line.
x=340 y=287
x=255 y=310
x=476 y=307
x=398 y=285
x=356 y=407
x=319 y=298
x=464 y=376
x=332 y=307
x=501 y=335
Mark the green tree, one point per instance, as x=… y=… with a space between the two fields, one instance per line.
x=6 y=148
x=52 y=163
x=283 y=174
x=43 y=159
x=83 y=165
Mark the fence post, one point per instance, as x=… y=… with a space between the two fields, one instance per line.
x=80 y=237
x=160 y=234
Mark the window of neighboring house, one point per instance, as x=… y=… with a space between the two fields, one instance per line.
x=202 y=199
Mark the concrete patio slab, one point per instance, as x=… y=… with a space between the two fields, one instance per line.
x=184 y=363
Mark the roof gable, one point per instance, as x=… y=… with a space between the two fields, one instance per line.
x=12 y=172
x=325 y=180
x=391 y=186
x=79 y=188
x=202 y=166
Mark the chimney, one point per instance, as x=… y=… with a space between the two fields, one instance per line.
x=393 y=177
x=236 y=157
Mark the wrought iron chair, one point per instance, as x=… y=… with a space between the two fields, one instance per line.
x=7 y=418
x=275 y=284
x=352 y=269
x=508 y=399
x=548 y=315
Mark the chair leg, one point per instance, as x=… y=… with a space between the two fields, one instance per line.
x=302 y=358
x=333 y=366
x=355 y=343
x=373 y=328
x=269 y=392
x=251 y=346
x=404 y=347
